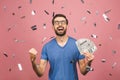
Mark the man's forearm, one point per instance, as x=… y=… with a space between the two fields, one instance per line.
x=85 y=66
x=37 y=70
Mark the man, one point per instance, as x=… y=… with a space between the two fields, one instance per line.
x=62 y=54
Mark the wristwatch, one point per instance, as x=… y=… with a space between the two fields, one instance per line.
x=88 y=68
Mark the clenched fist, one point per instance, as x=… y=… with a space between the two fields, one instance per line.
x=33 y=53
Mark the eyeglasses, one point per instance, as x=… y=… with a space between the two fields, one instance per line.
x=63 y=22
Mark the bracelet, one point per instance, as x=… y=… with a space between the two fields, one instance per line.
x=88 y=68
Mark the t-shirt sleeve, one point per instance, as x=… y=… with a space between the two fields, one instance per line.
x=44 y=53
x=79 y=55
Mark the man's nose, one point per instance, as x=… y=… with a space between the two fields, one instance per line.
x=60 y=23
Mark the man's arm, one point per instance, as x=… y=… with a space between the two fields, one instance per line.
x=84 y=63
x=83 y=66
x=39 y=68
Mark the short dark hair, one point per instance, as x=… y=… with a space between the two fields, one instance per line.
x=59 y=15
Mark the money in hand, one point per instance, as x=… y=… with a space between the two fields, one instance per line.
x=86 y=45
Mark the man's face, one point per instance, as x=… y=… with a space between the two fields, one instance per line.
x=60 y=26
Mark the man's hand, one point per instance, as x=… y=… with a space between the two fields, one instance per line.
x=33 y=54
x=88 y=56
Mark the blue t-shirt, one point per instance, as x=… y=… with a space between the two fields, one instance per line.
x=62 y=59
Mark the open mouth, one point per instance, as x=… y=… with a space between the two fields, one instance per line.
x=60 y=28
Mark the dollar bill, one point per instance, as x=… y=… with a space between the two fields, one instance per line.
x=86 y=45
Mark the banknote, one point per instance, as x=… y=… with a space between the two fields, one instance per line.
x=86 y=45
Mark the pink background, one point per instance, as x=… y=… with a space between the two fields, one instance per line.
x=17 y=37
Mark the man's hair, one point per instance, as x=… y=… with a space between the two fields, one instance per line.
x=59 y=15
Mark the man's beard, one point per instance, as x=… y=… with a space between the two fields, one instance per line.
x=60 y=34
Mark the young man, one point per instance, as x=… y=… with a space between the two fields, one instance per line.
x=62 y=54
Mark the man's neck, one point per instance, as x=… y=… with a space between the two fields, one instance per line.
x=62 y=40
